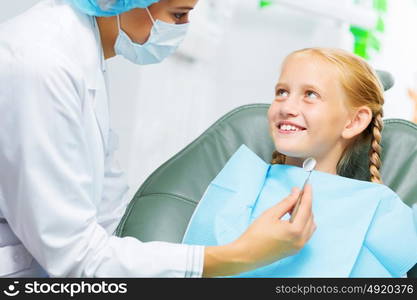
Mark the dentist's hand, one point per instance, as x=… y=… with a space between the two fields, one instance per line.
x=267 y=239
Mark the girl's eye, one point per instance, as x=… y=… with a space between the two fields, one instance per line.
x=282 y=93
x=312 y=95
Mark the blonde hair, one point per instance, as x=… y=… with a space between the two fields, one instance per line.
x=362 y=87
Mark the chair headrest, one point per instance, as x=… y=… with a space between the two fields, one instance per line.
x=386 y=79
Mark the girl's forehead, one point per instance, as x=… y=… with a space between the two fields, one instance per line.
x=306 y=66
x=305 y=71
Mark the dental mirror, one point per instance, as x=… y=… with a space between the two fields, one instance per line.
x=308 y=165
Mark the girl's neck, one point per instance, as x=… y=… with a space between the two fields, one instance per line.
x=326 y=163
x=322 y=166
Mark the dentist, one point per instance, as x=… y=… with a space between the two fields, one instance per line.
x=61 y=196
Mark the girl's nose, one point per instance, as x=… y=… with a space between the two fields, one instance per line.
x=289 y=108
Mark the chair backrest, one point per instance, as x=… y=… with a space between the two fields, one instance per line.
x=163 y=205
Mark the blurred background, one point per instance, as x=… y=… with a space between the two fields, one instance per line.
x=232 y=57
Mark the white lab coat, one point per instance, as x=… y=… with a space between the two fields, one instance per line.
x=61 y=197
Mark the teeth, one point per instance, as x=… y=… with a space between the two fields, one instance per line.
x=289 y=128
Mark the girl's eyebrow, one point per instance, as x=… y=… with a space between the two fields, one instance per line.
x=312 y=87
x=281 y=85
x=304 y=86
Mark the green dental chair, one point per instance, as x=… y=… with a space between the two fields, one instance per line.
x=163 y=205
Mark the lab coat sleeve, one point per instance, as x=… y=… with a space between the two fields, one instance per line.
x=46 y=186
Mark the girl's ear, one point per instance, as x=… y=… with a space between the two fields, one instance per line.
x=358 y=123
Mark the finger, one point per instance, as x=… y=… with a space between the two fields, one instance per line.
x=287 y=204
x=309 y=229
x=305 y=209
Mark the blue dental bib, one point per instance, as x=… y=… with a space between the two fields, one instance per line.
x=363 y=228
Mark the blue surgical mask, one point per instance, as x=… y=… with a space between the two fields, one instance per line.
x=164 y=39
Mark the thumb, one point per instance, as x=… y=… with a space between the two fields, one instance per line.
x=287 y=204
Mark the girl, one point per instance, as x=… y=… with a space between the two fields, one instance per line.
x=327 y=104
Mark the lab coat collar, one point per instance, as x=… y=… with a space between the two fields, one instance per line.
x=86 y=48
x=89 y=56
x=93 y=74
x=103 y=64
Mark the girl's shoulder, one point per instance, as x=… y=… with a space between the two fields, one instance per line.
x=377 y=188
x=326 y=183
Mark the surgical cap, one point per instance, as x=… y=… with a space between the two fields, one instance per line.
x=103 y=8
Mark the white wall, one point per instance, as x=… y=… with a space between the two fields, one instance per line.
x=399 y=56
x=231 y=57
